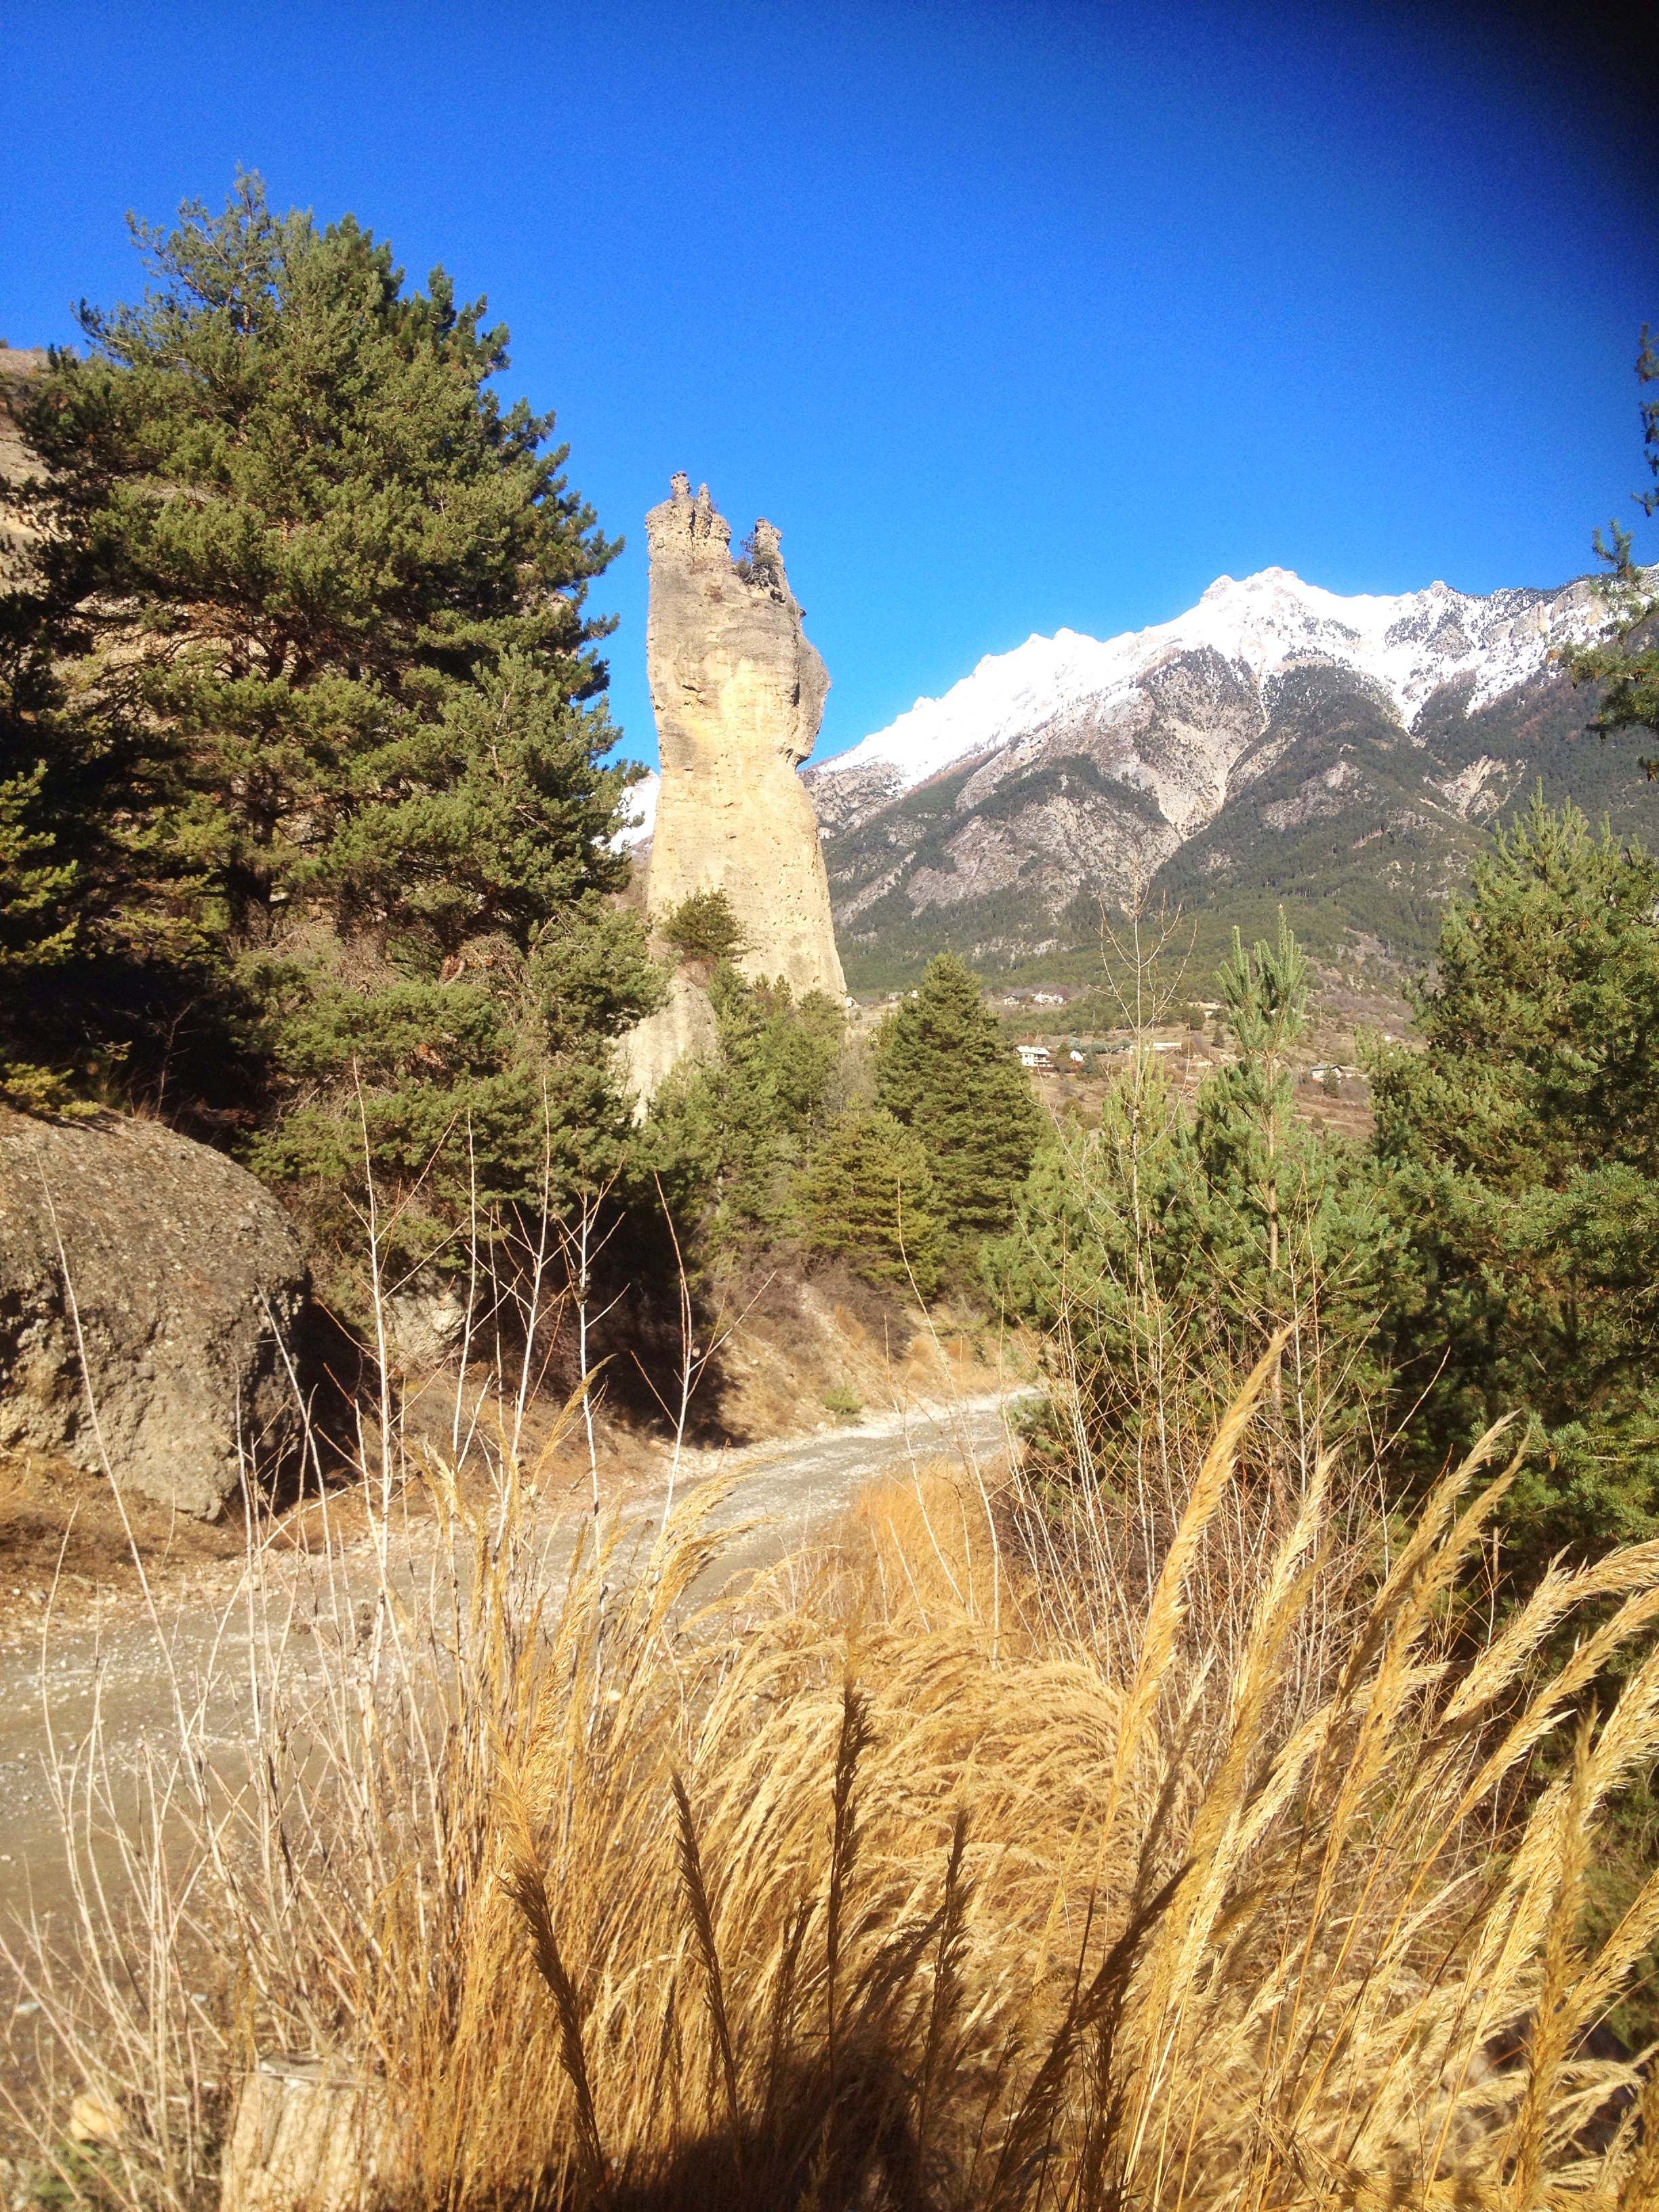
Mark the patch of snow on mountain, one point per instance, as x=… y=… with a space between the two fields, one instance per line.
x=1412 y=644
x=640 y=801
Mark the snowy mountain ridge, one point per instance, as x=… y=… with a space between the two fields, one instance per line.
x=1277 y=743
x=1412 y=645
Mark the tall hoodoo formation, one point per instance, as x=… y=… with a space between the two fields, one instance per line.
x=738 y=694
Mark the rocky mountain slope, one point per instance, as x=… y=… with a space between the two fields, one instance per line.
x=1278 y=744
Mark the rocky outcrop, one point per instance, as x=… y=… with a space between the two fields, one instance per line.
x=683 y=1028
x=18 y=461
x=187 y=1282
x=738 y=694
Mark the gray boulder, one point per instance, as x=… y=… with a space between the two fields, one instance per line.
x=188 y=1283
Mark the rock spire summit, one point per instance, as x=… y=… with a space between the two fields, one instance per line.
x=739 y=694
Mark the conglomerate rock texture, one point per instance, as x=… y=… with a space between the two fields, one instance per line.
x=167 y=1354
x=18 y=461
x=739 y=694
x=683 y=1027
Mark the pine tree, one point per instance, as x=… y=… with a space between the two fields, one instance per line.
x=726 y=1134
x=50 y=829
x=1281 y=1222
x=35 y=885
x=943 y=1070
x=1543 y=1021
x=868 y=1196
x=1523 y=1143
x=1628 y=663
x=1171 y=1244
x=1245 y=1116
x=37 y=927
x=323 y=598
x=704 y=927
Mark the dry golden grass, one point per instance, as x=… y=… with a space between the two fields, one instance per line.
x=892 y=1881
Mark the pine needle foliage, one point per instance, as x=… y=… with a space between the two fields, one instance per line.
x=703 y=927
x=324 y=676
x=867 y=1194
x=38 y=931
x=728 y=1132
x=1247 y=1109
x=944 y=1071
x=1523 y=1148
x=1627 y=664
x=1159 y=1251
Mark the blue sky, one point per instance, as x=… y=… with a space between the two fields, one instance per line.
x=1010 y=316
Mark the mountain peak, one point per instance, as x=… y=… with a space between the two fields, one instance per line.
x=1410 y=644
x=1261 y=580
x=1276 y=741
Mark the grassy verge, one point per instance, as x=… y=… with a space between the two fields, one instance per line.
x=917 y=1874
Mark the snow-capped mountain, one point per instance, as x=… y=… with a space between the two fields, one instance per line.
x=1273 y=739
x=1411 y=645
x=641 y=815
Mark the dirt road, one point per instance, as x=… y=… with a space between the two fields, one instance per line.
x=125 y=1676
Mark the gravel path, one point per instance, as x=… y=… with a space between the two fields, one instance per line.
x=117 y=1668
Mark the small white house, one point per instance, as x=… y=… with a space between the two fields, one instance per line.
x=1034 y=1055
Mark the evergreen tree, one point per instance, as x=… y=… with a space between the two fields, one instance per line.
x=52 y=828
x=1524 y=1147
x=317 y=603
x=1286 y=1222
x=1628 y=663
x=37 y=927
x=726 y=1134
x=1245 y=1112
x=704 y=927
x=1099 y=1258
x=943 y=1070
x=34 y=885
x=1167 y=1245
x=868 y=1196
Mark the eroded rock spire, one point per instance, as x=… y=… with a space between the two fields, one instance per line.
x=738 y=694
